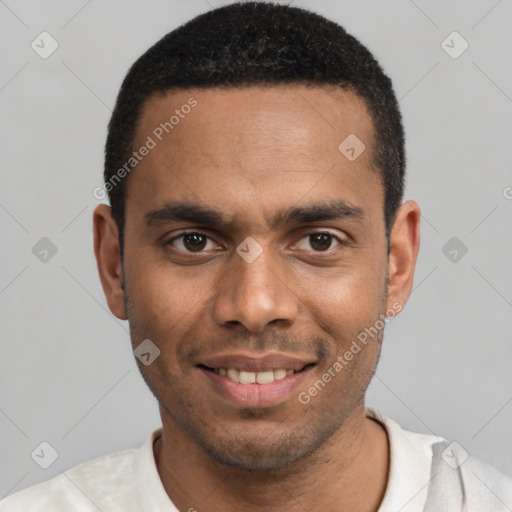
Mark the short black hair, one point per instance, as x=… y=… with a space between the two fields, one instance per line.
x=258 y=43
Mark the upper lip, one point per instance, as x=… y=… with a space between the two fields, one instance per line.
x=256 y=362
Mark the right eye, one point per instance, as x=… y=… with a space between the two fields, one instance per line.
x=190 y=241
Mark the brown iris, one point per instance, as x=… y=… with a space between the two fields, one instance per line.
x=320 y=241
x=194 y=241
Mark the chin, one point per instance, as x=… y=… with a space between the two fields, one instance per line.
x=268 y=452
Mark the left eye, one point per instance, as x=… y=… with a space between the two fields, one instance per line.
x=190 y=242
x=317 y=241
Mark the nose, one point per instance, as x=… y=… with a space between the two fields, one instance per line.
x=254 y=295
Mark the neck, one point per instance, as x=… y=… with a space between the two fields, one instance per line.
x=349 y=472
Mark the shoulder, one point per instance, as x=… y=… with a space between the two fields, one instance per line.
x=410 y=458
x=461 y=478
x=485 y=487
x=429 y=473
x=82 y=488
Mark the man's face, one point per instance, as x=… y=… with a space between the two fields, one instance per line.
x=267 y=161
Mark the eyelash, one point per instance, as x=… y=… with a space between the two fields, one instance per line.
x=202 y=233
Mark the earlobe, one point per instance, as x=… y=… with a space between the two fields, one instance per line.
x=404 y=244
x=108 y=259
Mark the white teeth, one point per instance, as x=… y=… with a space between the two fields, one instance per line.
x=232 y=374
x=244 y=377
x=279 y=374
x=265 y=377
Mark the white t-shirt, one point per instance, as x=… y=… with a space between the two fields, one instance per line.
x=128 y=481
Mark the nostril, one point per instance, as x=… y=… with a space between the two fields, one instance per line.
x=278 y=321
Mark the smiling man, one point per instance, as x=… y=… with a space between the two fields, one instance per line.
x=257 y=244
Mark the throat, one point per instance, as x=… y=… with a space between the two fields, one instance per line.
x=352 y=477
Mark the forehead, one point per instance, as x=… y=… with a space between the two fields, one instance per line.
x=267 y=114
x=209 y=144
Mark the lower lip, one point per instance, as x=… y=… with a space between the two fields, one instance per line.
x=255 y=395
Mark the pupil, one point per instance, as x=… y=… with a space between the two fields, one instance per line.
x=194 y=241
x=321 y=241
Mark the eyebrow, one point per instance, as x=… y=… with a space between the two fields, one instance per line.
x=320 y=211
x=188 y=212
x=198 y=214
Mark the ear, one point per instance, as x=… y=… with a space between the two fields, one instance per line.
x=404 y=244
x=108 y=259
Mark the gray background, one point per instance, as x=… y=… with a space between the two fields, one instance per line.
x=67 y=374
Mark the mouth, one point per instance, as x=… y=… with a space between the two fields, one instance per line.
x=245 y=380
x=255 y=377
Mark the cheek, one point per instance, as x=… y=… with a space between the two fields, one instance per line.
x=345 y=299
x=168 y=301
